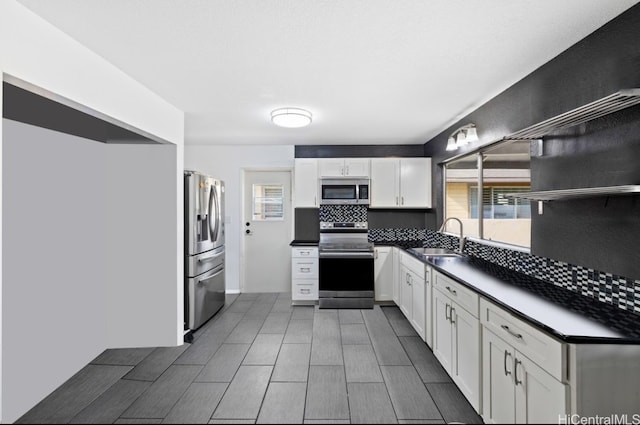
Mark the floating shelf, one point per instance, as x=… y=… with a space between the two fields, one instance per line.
x=587 y=192
x=599 y=108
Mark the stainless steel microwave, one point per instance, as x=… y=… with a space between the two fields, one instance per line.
x=344 y=191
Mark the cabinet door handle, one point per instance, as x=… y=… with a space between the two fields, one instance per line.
x=305 y=269
x=347 y=170
x=375 y=253
x=506 y=371
x=452 y=313
x=510 y=332
x=396 y=200
x=402 y=200
x=515 y=370
x=447 y=312
x=453 y=291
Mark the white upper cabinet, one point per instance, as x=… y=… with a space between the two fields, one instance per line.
x=400 y=183
x=306 y=183
x=344 y=167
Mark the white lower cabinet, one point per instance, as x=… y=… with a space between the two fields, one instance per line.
x=516 y=390
x=304 y=274
x=413 y=293
x=456 y=338
x=383 y=273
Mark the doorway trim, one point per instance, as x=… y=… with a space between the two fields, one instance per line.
x=288 y=210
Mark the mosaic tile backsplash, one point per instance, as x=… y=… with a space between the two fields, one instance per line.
x=609 y=288
x=343 y=213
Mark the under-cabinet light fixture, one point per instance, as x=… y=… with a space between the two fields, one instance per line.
x=463 y=135
x=291 y=117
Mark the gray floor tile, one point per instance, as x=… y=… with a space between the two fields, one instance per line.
x=202 y=349
x=158 y=400
x=408 y=394
x=453 y=406
x=385 y=343
x=223 y=365
x=245 y=393
x=108 y=407
x=259 y=310
x=369 y=403
x=326 y=346
x=326 y=393
x=241 y=305
x=197 y=404
x=428 y=367
x=269 y=298
x=276 y=323
x=282 y=305
x=421 y=421
x=293 y=363
x=264 y=350
x=245 y=332
x=348 y=316
x=299 y=331
x=283 y=403
x=138 y=421
x=333 y=421
x=360 y=364
x=224 y=322
x=302 y=312
x=75 y=394
x=232 y=421
x=123 y=356
x=285 y=295
x=156 y=363
x=402 y=327
x=245 y=296
x=354 y=333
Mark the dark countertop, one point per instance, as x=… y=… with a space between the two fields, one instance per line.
x=301 y=242
x=567 y=315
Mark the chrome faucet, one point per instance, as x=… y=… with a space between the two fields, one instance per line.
x=462 y=238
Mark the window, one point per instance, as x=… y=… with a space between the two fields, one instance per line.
x=503 y=169
x=268 y=202
x=496 y=203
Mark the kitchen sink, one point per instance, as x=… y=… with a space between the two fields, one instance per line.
x=434 y=252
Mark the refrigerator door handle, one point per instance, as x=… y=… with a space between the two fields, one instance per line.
x=215 y=213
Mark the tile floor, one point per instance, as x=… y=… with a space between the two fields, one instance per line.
x=261 y=360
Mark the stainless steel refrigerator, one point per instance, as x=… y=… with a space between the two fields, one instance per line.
x=204 y=289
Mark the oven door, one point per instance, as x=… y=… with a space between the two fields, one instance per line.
x=346 y=274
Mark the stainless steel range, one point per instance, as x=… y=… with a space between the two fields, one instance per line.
x=346 y=266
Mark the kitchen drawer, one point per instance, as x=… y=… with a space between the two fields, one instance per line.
x=541 y=348
x=304 y=252
x=463 y=296
x=304 y=268
x=305 y=289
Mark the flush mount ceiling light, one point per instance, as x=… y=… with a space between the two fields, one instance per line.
x=462 y=136
x=291 y=117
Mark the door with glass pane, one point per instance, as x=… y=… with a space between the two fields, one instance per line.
x=266 y=231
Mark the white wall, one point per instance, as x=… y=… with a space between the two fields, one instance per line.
x=34 y=51
x=141 y=254
x=54 y=273
x=226 y=162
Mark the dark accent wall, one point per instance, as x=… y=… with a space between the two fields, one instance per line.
x=401 y=219
x=30 y=108
x=358 y=151
x=599 y=233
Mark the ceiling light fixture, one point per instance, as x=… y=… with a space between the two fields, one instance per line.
x=462 y=136
x=291 y=117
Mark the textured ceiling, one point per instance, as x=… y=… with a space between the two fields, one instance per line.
x=370 y=71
